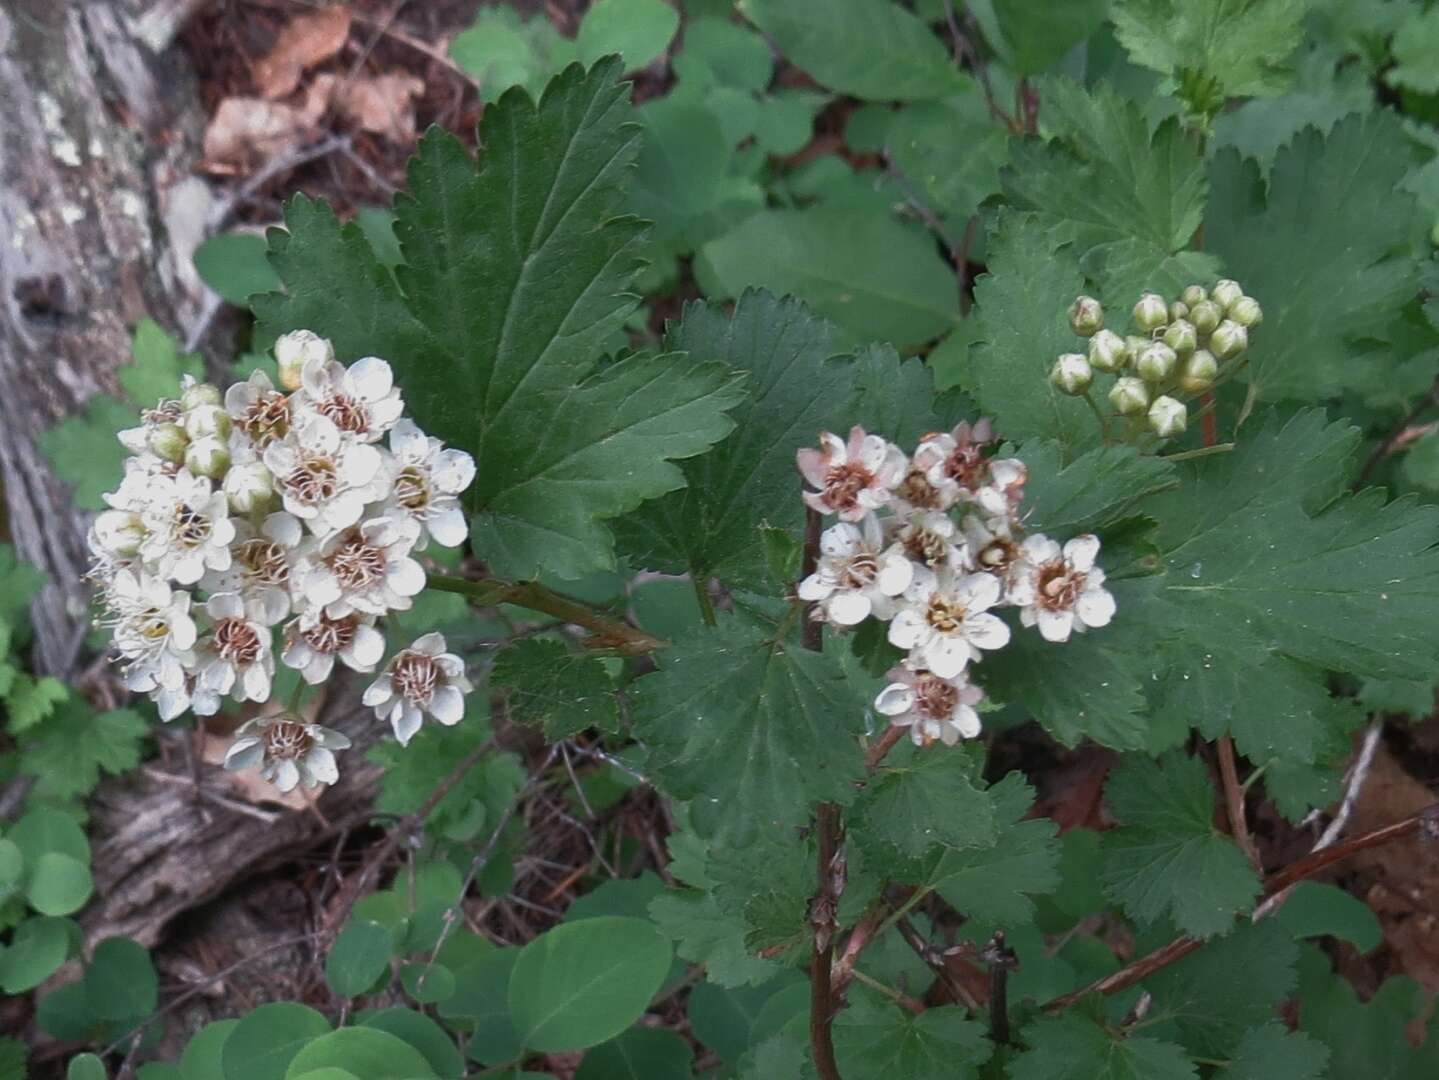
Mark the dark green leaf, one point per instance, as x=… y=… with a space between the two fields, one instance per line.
x=638 y=1054
x=1315 y=908
x=267 y=1039
x=1092 y=491
x=922 y=800
x=234 y=265
x=502 y=49
x=547 y=684
x=424 y=1035
x=360 y=955
x=39 y=946
x=1039 y=33
x=120 y=981
x=1072 y=1046
x=639 y=30
x=1272 y=1050
x=881 y=1042
x=367 y=1052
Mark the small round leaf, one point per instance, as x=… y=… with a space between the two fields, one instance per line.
x=59 y=884
x=360 y=955
x=367 y=1052
x=638 y=1054
x=428 y=983
x=43 y=830
x=265 y=1042
x=39 y=947
x=120 y=983
x=424 y=1035
x=86 y=1067
x=201 y=1058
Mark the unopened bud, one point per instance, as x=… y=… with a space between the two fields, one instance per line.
x=1151 y=312
x=1246 y=312
x=248 y=487
x=1133 y=346
x=168 y=441
x=1071 y=374
x=1156 y=363
x=119 y=532
x=208 y=456
x=296 y=349
x=1228 y=340
x=1178 y=310
x=207 y=420
x=1086 y=316
x=1182 y=337
x=1168 y=417
x=200 y=393
x=1225 y=292
x=1129 y=396
x=1193 y=294
x=1205 y=316
x=1107 y=351
x=1198 y=372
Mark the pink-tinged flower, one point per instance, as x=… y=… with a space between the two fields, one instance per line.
x=1060 y=590
x=258 y=411
x=930 y=706
x=426 y=483
x=362 y=400
x=944 y=621
x=287 y=751
x=421 y=679
x=154 y=632
x=236 y=656
x=916 y=492
x=187 y=528
x=365 y=568
x=850 y=479
x=857 y=575
x=315 y=640
x=930 y=539
x=993 y=547
x=262 y=566
x=324 y=478
x=959 y=469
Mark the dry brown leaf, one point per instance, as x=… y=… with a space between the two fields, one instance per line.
x=382 y=104
x=246 y=131
x=306 y=41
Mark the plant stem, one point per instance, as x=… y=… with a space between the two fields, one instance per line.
x=1001 y=960
x=904 y=1001
x=607 y=631
x=1098 y=415
x=1199 y=452
x=1234 y=801
x=824 y=909
x=702 y=597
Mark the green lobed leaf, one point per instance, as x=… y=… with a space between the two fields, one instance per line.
x=920 y=800
x=30 y=700
x=868 y=48
x=639 y=30
x=704 y=934
x=881 y=1042
x=68 y=752
x=1096 y=489
x=723 y=1018
x=1072 y=1046
x=502 y=49
x=1271 y=1050
x=1367 y=1041
x=156 y=366
x=1167 y=859
x=782 y=718
x=83 y=450
x=1315 y=908
x=581 y=983
x=1323 y=270
x=1416 y=43
x=545 y=683
x=519 y=356
x=234 y=265
x=19 y=582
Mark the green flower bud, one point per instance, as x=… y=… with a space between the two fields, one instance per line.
x=1129 y=396
x=297 y=348
x=1178 y=310
x=1225 y=292
x=1168 y=417
x=1151 y=312
x=1205 y=316
x=1133 y=346
x=1198 y=372
x=120 y=532
x=1228 y=340
x=1193 y=294
x=1156 y=362
x=1246 y=312
x=248 y=487
x=208 y=456
x=1085 y=316
x=1182 y=337
x=1107 y=351
x=200 y=393
x=169 y=442
x=207 y=420
x=1071 y=374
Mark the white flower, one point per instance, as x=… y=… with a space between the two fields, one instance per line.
x=236 y=657
x=993 y=548
x=361 y=400
x=260 y=413
x=117 y=534
x=962 y=473
x=153 y=630
x=931 y=707
x=287 y=751
x=421 y=679
x=856 y=576
x=915 y=492
x=426 y=482
x=931 y=539
x=364 y=568
x=853 y=478
x=261 y=567
x=945 y=621
x=137 y=439
x=171 y=701
x=315 y=639
x=188 y=528
x=1061 y=590
x=324 y=479
x=295 y=350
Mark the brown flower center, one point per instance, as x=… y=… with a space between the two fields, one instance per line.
x=936 y=698
x=945 y=614
x=412 y=491
x=236 y=641
x=188 y=528
x=168 y=411
x=345 y=413
x=415 y=676
x=266 y=419
x=967 y=466
x=844 y=482
x=286 y=739
x=859 y=571
x=314 y=480
x=925 y=546
x=264 y=562
x=356 y=562
x=998 y=555
x=916 y=490
x=331 y=635
x=1059 y=587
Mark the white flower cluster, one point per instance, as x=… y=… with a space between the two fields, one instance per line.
x=931 y=544
x=279 y=521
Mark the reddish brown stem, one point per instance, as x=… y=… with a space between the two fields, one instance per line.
x=1426 y=821
x=882 y=746
x=823 y=917
x=1234 y=801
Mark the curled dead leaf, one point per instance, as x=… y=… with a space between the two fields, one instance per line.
x=307 y=40
x=380 y=104
x=247 y=131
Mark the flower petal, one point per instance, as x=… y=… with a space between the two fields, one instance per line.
x=1081 y=552
x=1055 y=625
x=895 y=699
x=1095 y=607
x=448 y=705
x=848 y=608
x=986 y=631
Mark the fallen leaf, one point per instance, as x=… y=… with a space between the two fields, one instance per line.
x=246 y=131
x=307 y=40
x=381 y=104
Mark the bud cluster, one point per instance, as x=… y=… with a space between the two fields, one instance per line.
x=1177 y=348
x=267 y=522
x=932 y=543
